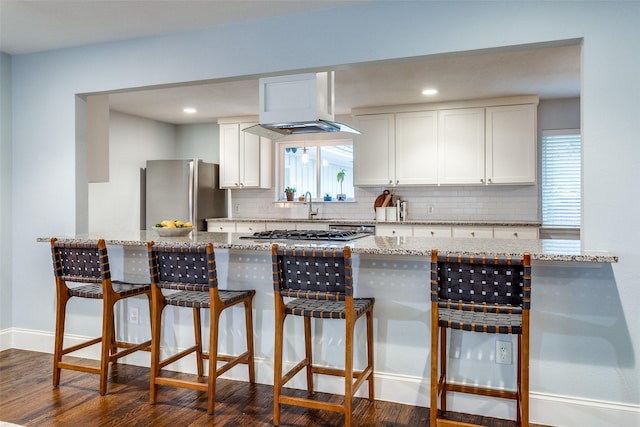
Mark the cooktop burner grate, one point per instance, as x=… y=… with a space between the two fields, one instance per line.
x=336 y=235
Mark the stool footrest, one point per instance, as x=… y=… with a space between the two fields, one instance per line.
x=310 y=403
x=482 y=391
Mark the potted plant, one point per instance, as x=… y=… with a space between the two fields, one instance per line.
x=340 y=177
x=289 y=192
x=327 y=197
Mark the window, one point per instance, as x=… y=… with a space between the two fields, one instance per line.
x=561 y=180
x=318 y=173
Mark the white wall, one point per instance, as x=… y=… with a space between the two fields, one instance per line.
x=5 y=192
x=201 y=141
x=44 y=147
x=115 y=205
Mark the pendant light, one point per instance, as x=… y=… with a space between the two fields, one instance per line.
x=305 y=155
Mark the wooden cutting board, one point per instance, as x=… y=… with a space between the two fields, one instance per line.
x=381 y=199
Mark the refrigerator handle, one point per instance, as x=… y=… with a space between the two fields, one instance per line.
x=193 y=185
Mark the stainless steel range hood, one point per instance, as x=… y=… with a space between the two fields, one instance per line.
x=297 y=104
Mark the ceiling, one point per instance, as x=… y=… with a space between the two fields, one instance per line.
x=550 y=70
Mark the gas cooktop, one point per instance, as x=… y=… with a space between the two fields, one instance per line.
x=335 y=235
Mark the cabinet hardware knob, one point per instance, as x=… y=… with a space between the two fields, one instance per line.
x=432 y=233
x=482 y=180
x=473 y=233
x=390 y=182
x=515 y=234
x=490 y=181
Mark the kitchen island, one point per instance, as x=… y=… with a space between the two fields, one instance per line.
x=395 y=271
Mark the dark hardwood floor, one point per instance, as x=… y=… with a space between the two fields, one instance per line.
x=28 y=398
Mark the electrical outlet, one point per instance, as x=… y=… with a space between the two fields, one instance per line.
x=134 y=315
x=503 y=352
x=430 y=209
x=237 y=207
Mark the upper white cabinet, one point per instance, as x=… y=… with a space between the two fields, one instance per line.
x=511 y=144
x=245 y=159
x=396 y=149
x=479 y=142
x=461 y=146
x=374 y=150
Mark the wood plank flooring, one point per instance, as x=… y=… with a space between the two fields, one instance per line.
x=28 y=398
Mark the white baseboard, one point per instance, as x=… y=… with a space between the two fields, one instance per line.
x=547 y=409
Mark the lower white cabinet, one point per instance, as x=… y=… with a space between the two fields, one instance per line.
x=472 y=232
x=515 y=232
x=221 y=226
x=394 y=230
x=431 y=231
x=249 y=227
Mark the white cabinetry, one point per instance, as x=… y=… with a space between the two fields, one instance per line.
x=249 y=227
x=397 y=149
x=472 y=232
x=515 y=232
x=431 y=231
x=221 y=226
x=461 y=146
x=374 y=150
x=511 y=144
x=245 y=159
x=393 y=230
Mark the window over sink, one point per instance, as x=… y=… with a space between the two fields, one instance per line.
x=316 y=166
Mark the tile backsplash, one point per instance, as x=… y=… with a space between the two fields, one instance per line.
x=472 y=203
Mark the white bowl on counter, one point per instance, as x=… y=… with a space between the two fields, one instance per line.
x=172 y=232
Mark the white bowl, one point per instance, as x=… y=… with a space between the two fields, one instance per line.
x=172 y=232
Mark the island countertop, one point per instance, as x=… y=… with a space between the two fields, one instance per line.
x=541 y=250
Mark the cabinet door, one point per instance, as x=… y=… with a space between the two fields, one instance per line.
x=431 y=231
x=249 y=227
x=511 y=144
x=393 y=230
x=461 y=146
x=416 y=148
x=515 y=232
x=229 y=155
x=222 y=227
x=374 y=152
x=473 y=232
x=249 y=158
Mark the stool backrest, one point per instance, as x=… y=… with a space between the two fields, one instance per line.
x=467 y=281
x=83 y=262
x=312 y=273
x=183 y=267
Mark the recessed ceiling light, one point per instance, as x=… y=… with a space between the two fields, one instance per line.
x=190 y=110
x=430 y=91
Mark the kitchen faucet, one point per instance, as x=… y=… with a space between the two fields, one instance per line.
x=311 y=212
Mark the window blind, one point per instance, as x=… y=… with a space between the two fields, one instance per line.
x=561 y=178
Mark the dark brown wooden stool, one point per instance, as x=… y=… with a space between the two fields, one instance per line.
x=318 y=283
x=479 y=294
x=191 y=271
x=87 y=264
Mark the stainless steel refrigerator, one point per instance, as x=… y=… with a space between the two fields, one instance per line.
x=186 y=190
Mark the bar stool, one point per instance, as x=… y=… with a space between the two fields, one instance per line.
x=320 y=282
x=479 y=294
x=191 y=271
x=88 y=263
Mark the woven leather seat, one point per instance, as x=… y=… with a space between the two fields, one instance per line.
x=87 y=266
x=191 y=271
x=321 y=283
x=479 y=294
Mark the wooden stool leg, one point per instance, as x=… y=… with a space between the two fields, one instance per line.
x=524 y=355
x=61 y=311
x=197 y=330
x=249 y=328
x=107 y=342
x=370 y=353
x=308 y=353
x=433 y=410
x=213 y=357
x=348 y=371
x=277 y=364
x=158 y=305
x=443 y=368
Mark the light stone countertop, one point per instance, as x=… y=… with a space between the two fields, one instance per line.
x=541 y=250
x=338 y=221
